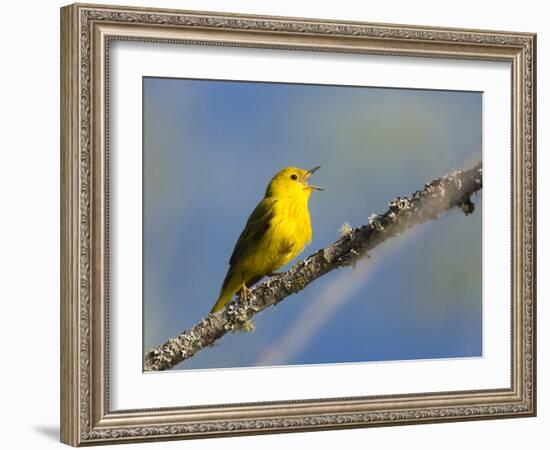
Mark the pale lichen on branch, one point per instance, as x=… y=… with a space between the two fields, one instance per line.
x=453 y=190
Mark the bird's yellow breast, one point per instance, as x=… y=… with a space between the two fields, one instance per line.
x=288 y=233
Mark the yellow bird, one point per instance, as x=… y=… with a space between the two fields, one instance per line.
x=276 y=232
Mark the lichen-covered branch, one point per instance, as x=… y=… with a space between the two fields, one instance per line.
x=453 y=190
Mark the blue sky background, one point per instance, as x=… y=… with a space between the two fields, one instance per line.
x=210 y=148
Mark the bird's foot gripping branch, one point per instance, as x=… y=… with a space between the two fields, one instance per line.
x=436 y=197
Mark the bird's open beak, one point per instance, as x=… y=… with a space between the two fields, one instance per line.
x=308 y=175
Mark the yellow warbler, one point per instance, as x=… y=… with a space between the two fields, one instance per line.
x=276 y=232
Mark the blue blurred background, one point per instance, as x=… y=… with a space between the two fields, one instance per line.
x=210 y=148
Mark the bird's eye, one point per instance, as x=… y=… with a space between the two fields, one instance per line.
x=294 y=176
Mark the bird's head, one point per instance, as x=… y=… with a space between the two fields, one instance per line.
x=292 y=181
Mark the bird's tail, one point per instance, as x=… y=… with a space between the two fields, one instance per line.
x=230 y=286
x=223 y=299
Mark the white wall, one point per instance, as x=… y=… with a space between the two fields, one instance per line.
x=29 y=225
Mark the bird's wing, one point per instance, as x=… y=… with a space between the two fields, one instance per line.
x=257 y=225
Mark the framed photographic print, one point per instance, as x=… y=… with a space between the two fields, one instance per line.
x=277 y=224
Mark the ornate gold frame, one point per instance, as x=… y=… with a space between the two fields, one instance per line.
x=86 y=31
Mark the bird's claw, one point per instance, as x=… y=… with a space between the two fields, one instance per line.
x=245 y=294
